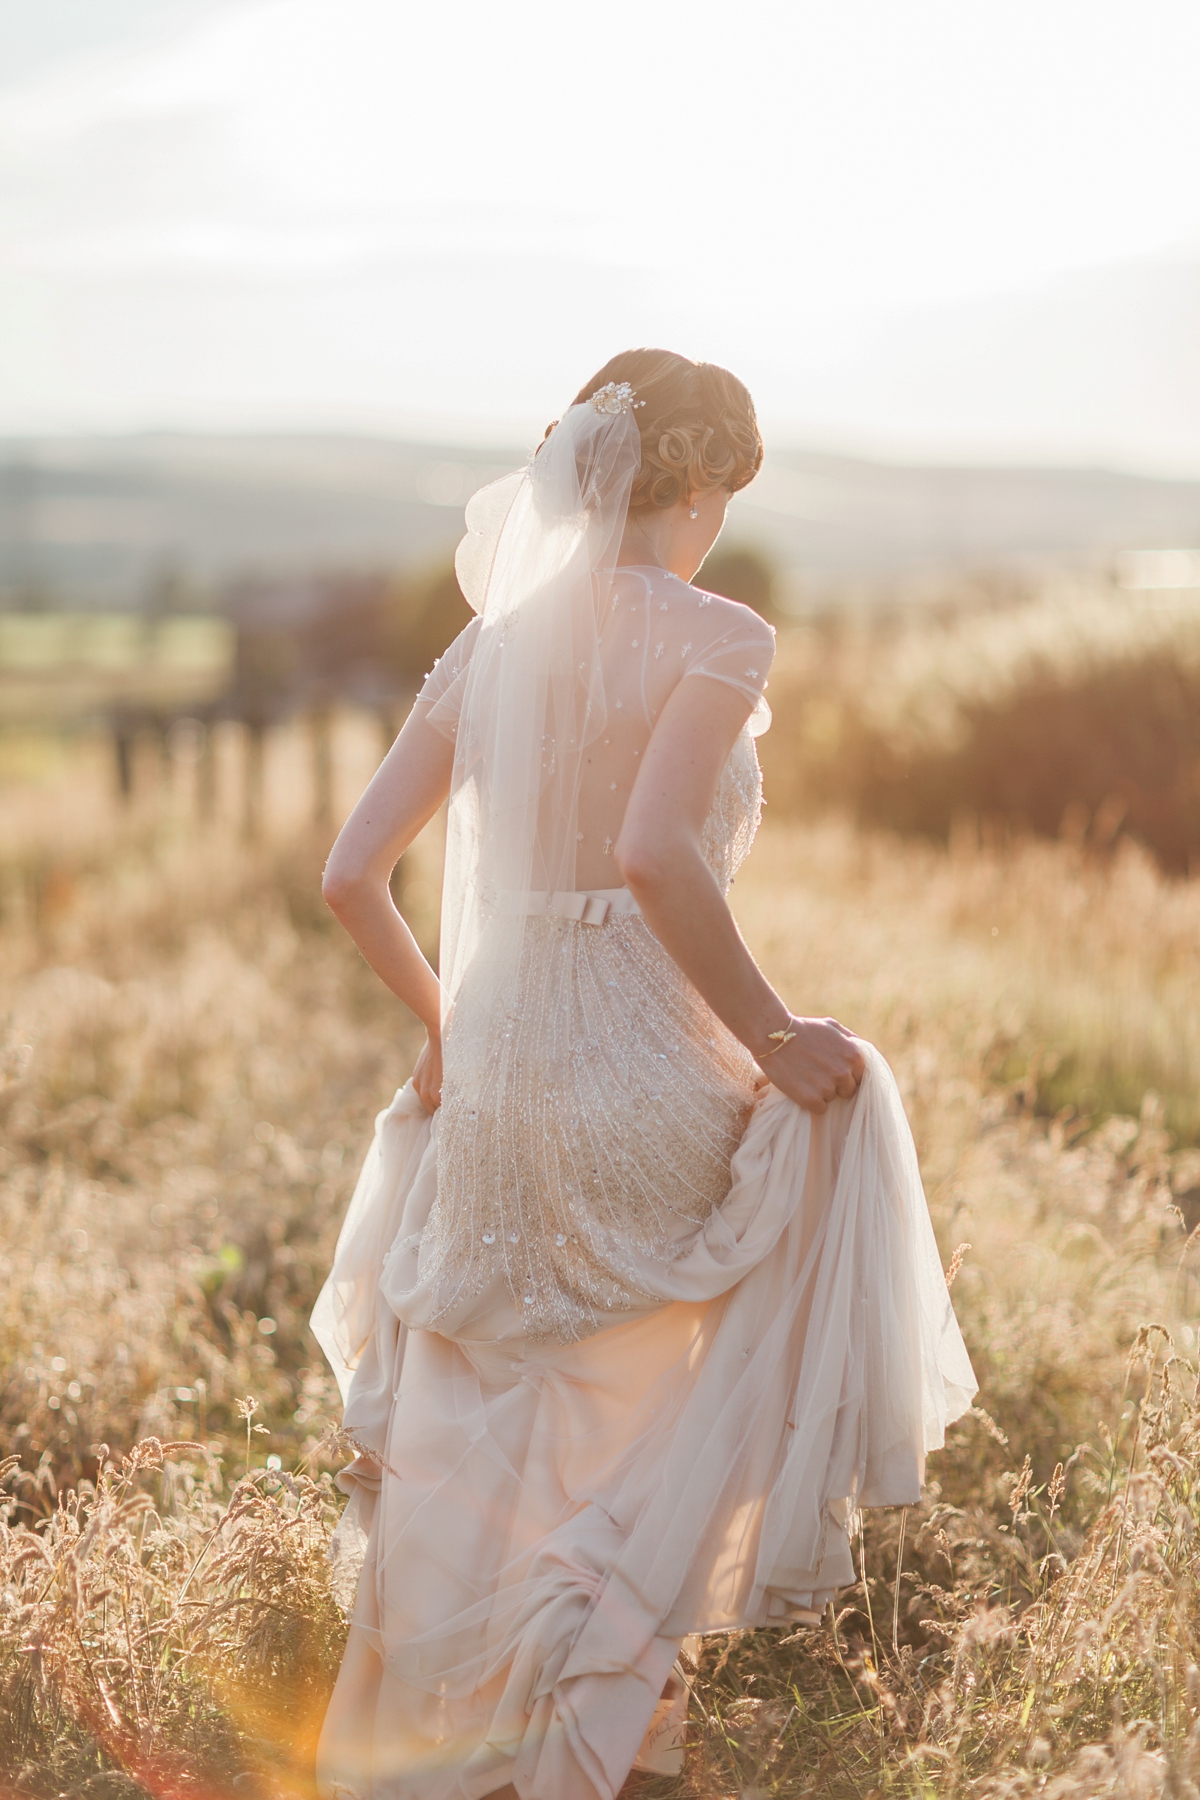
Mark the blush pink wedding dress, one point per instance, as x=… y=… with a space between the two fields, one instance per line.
x=624 y=1340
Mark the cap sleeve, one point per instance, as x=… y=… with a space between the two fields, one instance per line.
x=740 y=654
x=441 y=696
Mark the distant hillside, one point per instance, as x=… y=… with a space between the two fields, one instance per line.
x=104 y=521
x=94 y=521
x=826 y=520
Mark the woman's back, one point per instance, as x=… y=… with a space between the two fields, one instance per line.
x=656 y=630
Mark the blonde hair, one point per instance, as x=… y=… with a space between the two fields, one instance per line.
x=696 y=422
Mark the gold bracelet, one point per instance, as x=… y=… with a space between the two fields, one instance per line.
x=777 y=1039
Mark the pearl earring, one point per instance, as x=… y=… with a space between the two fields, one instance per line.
x=693 y=514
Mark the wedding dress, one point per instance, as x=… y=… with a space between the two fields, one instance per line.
x=623 y=1338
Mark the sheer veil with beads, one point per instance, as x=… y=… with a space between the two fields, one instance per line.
x=537 y=565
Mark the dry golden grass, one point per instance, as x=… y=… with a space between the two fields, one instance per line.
x=1070 y=711
x=192 y=1057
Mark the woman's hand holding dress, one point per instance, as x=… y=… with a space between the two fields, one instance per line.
x=427 y=1075
x=823 y=1062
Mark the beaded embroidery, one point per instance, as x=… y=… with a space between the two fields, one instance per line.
x=625 y=1096
x=615 y=397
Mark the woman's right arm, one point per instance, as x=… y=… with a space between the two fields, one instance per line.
x=405 y=792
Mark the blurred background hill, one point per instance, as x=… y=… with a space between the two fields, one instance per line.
x=170 y=519
x=1015 y=646
x=111 y=521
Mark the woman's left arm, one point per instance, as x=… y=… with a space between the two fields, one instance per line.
x=405 y=792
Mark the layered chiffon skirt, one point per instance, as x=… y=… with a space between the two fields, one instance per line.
x=535 y=1526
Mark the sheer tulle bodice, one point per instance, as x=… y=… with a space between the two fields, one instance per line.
x=656 y=631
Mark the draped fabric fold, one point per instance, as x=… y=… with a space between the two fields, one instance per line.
x=541 y=1523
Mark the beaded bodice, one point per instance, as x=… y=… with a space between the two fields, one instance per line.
x=599 y=1130
x=736 y=811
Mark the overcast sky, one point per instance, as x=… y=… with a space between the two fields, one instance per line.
x=935 y=227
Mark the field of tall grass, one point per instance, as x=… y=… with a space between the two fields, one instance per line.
x=1071 y=709
x=190 y=1059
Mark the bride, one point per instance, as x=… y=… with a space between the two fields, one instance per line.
x=637 y=1298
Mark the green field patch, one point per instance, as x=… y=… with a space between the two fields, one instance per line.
x=50 y=643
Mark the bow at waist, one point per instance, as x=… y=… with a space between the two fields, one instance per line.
x=589 y=907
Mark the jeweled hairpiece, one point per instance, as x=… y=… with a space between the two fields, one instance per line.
x=615 y=397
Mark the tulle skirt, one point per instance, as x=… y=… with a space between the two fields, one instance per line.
x=535 y=1526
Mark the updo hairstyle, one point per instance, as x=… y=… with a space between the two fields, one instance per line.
x=696 y=422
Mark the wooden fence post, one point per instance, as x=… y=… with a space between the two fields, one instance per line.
x=389 y=726
x=206 y=774
x=123 y=750
x=254 y=737
x=398 y=881
x=321 y=726
x=166 y=765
